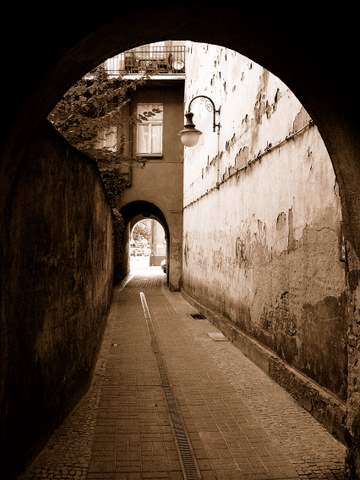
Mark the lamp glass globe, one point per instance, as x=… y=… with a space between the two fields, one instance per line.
x=190 y=137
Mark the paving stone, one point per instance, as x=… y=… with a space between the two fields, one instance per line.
x=241 y=424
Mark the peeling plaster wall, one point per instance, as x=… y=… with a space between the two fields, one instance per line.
x=262 y=219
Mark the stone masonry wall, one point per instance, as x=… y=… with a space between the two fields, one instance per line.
x=56 y=288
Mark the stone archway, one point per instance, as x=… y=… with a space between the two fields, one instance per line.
x=139 y=209
x=292 y=51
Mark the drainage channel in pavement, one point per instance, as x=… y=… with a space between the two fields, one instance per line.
x=187 y=458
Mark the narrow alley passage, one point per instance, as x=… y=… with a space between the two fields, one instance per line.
x=241 y=424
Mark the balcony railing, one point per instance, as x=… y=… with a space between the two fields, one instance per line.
x=152 y=60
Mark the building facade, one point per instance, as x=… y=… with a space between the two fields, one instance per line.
x=147 y=136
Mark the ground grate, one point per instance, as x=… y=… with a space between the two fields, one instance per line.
x=187 y=458
x=198 y=316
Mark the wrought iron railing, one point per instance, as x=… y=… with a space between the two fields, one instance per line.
x=150 y=60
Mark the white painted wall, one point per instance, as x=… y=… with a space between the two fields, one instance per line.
x=262 y=229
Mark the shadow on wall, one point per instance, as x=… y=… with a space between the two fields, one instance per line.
x=56 y=286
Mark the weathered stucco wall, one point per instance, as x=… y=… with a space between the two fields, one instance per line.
x=56 y=288
x=262 y=218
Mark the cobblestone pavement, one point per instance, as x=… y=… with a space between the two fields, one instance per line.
x=241 y=424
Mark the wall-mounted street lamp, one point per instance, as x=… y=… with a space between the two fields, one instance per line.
x=189 y=136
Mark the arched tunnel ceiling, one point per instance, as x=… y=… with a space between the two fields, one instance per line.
x=46 y=49
x=296 y=48
x=307 y=52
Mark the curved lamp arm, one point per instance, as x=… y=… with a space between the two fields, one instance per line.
x=214 y=110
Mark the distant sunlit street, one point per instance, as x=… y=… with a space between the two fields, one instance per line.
x=140 y=264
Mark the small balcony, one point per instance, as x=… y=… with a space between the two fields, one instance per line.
x=149 y=60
